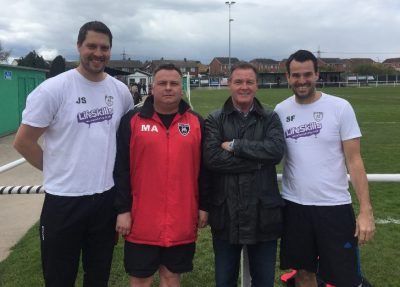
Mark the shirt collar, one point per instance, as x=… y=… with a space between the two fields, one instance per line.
x=244 y=114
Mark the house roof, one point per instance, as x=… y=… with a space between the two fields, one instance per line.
x=125 y=64
x=115 y=72
x=391 y=60
x=330 y=60
x=141 y=72
x=111 y=64
x=264 y=61
x=71 y=64
x=23 y=68
x=203 y=68
x=361 y=60
x=225 y=60
x=109 y=70
x=177 y=63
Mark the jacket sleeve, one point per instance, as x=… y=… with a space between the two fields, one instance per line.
x=204 y=177
x=123 y=198
x=218 y=159
x=270 y=150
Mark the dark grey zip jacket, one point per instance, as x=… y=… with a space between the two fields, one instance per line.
x=245 y=202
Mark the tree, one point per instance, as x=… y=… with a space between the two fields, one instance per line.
x=3 y=54
x=32 y=59
x=373 y=69
x=57 y=66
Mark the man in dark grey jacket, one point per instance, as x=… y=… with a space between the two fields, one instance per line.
x=243 y=144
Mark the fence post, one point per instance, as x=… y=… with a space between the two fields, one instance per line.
x=246 y=278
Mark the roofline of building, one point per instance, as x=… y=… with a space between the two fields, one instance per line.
x=24 y=68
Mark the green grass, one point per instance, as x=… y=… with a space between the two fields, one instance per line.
x=377 y=111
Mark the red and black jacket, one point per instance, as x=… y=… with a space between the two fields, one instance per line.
x=158 y=175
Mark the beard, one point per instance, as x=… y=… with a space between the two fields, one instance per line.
x=93 y=67
x=304 y=91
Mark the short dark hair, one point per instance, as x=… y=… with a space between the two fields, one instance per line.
x=243 y=66
x=169 y=67
x=95 y=26
x=302 y=56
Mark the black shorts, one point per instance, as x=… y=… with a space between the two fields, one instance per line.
x=320 y=239
x=77 y=226
x=142 y=260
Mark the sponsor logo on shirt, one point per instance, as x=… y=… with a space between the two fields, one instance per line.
x=95 y=115
x=305 y=130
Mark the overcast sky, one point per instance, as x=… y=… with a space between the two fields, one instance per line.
x=198 y=29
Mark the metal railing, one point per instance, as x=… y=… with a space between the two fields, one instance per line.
x=245 y=271
x=11 y=165
x=39 y=189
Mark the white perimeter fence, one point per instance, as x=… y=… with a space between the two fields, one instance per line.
x=40 y=189
x=246 y=279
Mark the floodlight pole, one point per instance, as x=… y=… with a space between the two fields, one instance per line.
x=229 y=3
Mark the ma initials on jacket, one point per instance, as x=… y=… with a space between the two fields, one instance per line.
x=149 y=128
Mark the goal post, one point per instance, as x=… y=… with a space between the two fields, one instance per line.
x=186 y=88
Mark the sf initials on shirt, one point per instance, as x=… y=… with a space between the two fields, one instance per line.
x=148 y=128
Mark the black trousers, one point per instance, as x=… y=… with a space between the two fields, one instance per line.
x=71 y=226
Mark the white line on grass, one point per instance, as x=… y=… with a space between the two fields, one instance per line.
x=388 y=220
x=383 y=123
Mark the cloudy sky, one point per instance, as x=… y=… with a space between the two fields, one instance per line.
x=198 y=29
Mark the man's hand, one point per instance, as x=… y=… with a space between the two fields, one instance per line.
x=365 y=227
x=124 y=223
x=203 y=218
x=228 y=146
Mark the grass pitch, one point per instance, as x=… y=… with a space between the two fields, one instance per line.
x=377 y=111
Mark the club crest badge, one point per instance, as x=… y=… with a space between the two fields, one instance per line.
x=184 y=129
x=318 y=116
x=109 y=100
